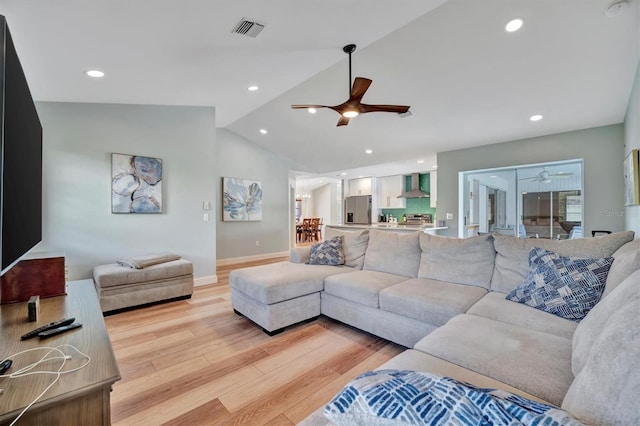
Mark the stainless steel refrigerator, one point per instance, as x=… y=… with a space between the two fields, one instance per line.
x=357 y=209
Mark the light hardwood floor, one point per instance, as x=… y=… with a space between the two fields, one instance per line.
x=196 y=362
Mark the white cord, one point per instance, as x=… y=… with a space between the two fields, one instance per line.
x=26 y=371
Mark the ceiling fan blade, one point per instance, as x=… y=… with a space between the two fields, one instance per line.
x=400 y=109
x=360 y=87
x=309 y=106
x=343 y=121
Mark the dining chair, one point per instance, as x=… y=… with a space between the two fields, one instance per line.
x=302 y=229
x=313 y=233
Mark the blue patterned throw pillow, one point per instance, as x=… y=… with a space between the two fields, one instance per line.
x=328 y=252
x=564 y=286
x=404 y=397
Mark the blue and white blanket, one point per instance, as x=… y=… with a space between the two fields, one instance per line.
x=394 y=397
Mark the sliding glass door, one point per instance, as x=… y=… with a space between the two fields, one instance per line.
x=529 y=201
x=551 y=214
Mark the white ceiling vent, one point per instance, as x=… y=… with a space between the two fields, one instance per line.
x=248 y=27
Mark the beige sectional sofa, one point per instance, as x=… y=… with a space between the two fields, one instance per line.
x=444 y=299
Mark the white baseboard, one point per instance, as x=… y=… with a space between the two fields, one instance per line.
x=234 y=260
x=210 y=279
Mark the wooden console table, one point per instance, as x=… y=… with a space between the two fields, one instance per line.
x=79 y=398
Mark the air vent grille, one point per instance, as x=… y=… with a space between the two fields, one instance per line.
x=248 y=27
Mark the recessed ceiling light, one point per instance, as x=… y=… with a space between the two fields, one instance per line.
x=343 y=173
x=252 y=88
x=368 y=151
x=514 y=25
x=94 y=73
x=311 y=110
x=420 y=161
x=536 y=117
x=435 y=166
x=493 y=176
x=263 y=131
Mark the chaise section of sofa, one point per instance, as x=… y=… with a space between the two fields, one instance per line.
x=280 y=294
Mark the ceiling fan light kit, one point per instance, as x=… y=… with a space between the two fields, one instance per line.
x=545 y=177
x=353 y=106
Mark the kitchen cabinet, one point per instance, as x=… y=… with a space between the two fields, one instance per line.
x=433 y=188
x=389 y=187
x=360 y=186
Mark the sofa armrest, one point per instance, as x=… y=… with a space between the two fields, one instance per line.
x=300 y=254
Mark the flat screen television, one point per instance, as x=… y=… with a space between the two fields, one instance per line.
x=21 y=158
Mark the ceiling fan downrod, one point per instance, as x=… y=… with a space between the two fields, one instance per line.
x=349 y=49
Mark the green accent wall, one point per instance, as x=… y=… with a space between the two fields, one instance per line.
x=415 y=205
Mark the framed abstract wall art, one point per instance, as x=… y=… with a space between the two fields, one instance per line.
x=136 y=184
x=241 y=200
x=631 y=177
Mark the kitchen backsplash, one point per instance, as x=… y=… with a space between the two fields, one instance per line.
x=415 y=205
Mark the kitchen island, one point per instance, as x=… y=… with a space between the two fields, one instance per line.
x=427 y=228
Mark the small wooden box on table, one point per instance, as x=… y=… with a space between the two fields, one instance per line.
x=79 y=398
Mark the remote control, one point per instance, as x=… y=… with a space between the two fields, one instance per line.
x=54 y=331
x=49 y=326
x=5 y=365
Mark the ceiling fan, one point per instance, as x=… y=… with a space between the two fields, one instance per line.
x=353 y=107
x=545 y=177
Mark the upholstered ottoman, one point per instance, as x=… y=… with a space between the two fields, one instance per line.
x=121 y=287
x=280 y=294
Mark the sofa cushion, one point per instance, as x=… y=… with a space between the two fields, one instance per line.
x=354 y=245
x=565 y=286
x=538 y=363
x=606 y=388
x=280 y=281
x=434 y=302
x=512 y=266
x=328 y=252
x=361 y=286
x=495 y=306
x=393 y=252
x=590 y=328
x=442 y=257
x=626 y=262
x=630 y=246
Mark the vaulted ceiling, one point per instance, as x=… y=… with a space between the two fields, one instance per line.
x=468 y=81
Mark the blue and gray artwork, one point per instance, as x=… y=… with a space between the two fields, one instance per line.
x=241 y=200
x=136 y=184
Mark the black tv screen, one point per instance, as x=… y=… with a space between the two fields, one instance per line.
x=21 y=178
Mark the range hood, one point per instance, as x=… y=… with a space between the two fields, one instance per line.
x=415 y=191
